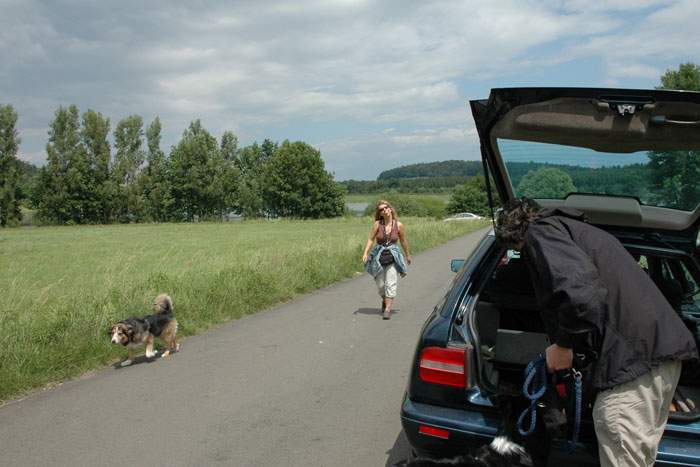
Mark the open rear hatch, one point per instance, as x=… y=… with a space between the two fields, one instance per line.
x=630 y=160
x=627 y=158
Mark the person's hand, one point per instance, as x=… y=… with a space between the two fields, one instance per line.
x=558 y=358
x=409 y=259
x=364 y=258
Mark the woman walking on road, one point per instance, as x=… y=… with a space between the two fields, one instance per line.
x=386 y=261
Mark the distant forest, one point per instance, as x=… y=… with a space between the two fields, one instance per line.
x=427 y=177
x=434 y=169
x=437 y=177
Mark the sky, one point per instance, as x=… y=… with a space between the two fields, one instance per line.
x=373 y=85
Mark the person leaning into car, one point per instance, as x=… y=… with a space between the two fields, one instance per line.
x=589 y=288
x=385 y=262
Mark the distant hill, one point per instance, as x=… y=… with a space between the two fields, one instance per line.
x=416 y=178
x=434 y=169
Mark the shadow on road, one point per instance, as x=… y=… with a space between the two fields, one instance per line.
x=399 y=451
x=136 y=361
x=373 y=311
x=367 y=311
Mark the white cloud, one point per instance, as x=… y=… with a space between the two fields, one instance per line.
x=645 y=47
x=612 y=5
x=431 y=137
x=367 y=66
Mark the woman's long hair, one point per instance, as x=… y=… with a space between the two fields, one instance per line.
x=378 y=213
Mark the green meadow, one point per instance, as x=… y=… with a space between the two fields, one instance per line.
x=62 y=287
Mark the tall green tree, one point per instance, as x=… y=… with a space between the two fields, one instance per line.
x=250 y=163
x=10 y=193
x=156 y=183
x=128 y=164
x=686 y=78
x=191 y=176
x=675 y=175
x=94 y=134
x=55 y=192
x=546 y=182
x=229 y=178
x=297 y=184
x=229 y=146
x=267 y=149
x=470 y=197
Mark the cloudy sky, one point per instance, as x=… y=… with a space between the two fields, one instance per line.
x=372 y=84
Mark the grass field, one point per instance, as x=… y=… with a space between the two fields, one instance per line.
x=62 y=287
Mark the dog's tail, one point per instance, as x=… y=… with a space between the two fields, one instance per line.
x=163 y=305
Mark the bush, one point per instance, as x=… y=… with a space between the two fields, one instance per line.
x=470 y=197
x=413 y=206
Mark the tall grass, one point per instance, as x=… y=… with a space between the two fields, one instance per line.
x=62 y=287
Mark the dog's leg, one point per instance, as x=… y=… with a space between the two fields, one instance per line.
x=129 y=359
x=176 y=346
x=150 y=353
x=170 y=340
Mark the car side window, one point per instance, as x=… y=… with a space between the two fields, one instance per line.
x=673 y=278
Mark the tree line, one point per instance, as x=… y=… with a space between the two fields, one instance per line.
x=404 y=185
x=450 y=168
x=86 y=181
x=555 y=181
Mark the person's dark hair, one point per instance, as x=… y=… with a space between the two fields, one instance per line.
x=514 y=219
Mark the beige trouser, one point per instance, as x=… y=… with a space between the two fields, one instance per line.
x=387 y=281
x=630 y=418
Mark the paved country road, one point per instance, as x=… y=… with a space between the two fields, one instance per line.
x=314 y=382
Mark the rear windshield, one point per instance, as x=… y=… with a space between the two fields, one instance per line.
x=539 y=170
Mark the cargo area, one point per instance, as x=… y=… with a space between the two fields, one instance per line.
x=510 y=332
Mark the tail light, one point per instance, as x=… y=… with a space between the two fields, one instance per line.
x=434 y=432
x=446 y=366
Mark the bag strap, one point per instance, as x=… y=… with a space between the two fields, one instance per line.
x=387 y=239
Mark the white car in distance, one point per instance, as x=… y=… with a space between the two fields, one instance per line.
x=463 y=216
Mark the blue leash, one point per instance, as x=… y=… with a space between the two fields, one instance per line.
x=577 y=415
x=535 y=386
x=536 y=370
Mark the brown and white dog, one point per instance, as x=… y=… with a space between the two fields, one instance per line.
x=137 y=331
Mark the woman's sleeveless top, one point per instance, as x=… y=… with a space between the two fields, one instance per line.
x=393 y=234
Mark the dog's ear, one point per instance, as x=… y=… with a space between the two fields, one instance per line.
x=129 y=330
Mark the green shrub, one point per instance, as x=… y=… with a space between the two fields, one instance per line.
x=408 y=205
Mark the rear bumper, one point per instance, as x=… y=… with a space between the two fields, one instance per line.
x=680 y=451
x=467 y=429
x=470 y=429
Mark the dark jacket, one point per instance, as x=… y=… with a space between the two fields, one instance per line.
x=590 y=288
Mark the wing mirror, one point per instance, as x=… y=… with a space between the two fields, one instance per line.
x=456 y=265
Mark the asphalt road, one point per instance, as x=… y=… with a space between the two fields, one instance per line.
x=314 y=382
